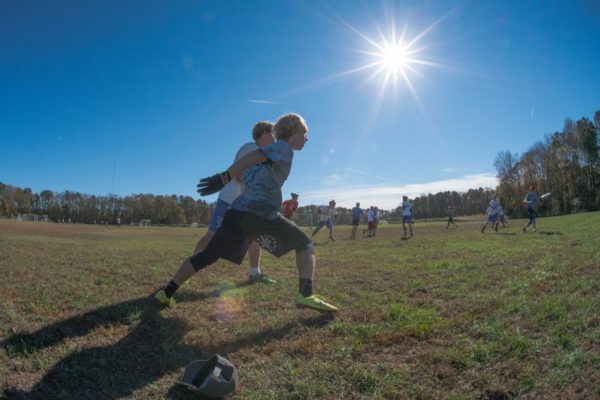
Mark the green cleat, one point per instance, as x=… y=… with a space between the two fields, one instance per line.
x=261 y=278
x=314 y=302
x=162 y=298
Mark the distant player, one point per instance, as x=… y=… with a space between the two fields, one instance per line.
x=376 y=216
x=501 y=217
x=356 y=213
x=263 y=136
x=407 y=216
x=327 y=215
x=290 y=206
x=370 y=222
x=451 y=217
x=532 y=206
x=492 y=214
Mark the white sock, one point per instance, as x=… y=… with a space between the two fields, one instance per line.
x=254 y=271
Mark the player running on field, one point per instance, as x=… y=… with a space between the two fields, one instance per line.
x=376 y=216
x=501 y=217
x=370 y=222
x=263 y=136
x=492 y=214
x=451 y=217
x=290 y=206
x=327 y=215
x=532 y=206
x=407 y=216
x=356 y=213
x=255 y=215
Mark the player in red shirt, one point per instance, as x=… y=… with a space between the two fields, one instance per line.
x=290 y=206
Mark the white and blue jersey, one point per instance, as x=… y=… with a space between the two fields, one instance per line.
x=230 y=192
x=235 y=188
x=493 y=208
x=263 y=182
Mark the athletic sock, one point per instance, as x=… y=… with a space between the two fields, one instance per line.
x=171 y=289
x=254 y=271
x=305 y=287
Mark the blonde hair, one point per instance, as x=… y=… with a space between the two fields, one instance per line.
x=287 y=124
x=260 y=128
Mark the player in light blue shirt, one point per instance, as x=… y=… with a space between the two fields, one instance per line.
x=407 y=216
x=255 y=215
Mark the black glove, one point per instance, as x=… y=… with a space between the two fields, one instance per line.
x=213 y=184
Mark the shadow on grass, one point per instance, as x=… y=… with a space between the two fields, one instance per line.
x=151 y=348
x=549 y=233
x=178 y=392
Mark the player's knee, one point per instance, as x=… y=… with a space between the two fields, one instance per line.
x=201 y=260
x=310 y=247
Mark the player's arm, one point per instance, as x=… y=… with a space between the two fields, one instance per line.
x=254 y=157
x=213 y=184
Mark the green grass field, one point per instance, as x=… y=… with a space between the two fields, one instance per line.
x=450 y=314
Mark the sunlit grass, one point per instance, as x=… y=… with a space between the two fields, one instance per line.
x=447 y=314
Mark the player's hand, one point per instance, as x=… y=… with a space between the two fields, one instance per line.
x=213 y=184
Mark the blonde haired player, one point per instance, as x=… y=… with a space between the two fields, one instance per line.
x=255 y=215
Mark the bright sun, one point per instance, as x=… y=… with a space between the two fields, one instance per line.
x=394 y=58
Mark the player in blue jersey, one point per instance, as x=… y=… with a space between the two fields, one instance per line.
x=356 y=213
x=263 y=136
x=531 y=199
x=254 y=215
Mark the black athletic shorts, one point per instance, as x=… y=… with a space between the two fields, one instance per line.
x=355 y=222
x=239 y=229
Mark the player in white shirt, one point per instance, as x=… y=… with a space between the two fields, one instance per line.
x=407 y=216
x=262 y=135
x=492 y=214
x=327 y=215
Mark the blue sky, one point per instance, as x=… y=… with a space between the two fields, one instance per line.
x=149 y=96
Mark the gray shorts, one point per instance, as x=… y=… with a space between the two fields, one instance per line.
x=239 y=229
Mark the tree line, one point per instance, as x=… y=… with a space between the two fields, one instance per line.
x=89 y=209
x=565 y=163
x=184 y=210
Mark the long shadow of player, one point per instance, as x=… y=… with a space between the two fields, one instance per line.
x=151 y=348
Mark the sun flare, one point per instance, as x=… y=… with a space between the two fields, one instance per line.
x=394 y=58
